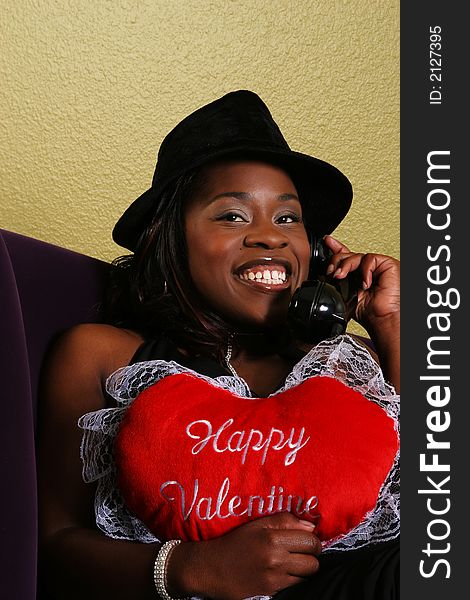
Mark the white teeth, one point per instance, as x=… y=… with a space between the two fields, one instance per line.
x=267 y=277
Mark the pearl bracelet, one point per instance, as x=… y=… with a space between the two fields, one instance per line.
x=159 y=570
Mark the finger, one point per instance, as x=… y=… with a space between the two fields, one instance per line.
x=308 y=544
x=335 y=245
x=297 y=541
x=373 y=266
x=343 y=264
x=302 y=565
x=285 y=520
x=368 y=267
x=336 y=261
x=379 y=267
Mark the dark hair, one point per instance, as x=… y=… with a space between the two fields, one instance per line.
x=151 y=291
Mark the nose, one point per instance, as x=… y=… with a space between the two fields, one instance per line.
x=266 y=235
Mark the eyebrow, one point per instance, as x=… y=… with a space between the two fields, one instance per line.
x=247 y=196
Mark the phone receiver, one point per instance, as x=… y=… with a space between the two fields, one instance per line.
x=319 y=310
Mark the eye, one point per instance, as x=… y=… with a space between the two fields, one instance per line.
x=232 y=217
x=289 y=218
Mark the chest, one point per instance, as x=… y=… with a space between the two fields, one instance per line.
x=264 y=375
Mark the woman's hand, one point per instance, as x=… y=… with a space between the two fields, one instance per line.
x=378 y=301
x=259 y=558
x=379 y=295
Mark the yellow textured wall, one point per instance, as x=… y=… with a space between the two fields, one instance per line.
x=90 y=87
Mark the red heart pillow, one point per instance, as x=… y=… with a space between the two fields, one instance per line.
x=195 y=461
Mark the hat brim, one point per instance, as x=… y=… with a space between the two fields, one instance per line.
x=324 y=191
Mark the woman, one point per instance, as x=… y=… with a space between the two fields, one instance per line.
x=220 y=244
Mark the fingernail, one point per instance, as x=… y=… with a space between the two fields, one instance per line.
x=307 y=524
x=337 y=272
x=330 y=269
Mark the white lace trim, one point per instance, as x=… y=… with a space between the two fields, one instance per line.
x=342 y=358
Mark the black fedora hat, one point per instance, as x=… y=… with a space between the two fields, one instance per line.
x=239 y=124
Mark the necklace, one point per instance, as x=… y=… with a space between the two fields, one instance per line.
x=228 y=356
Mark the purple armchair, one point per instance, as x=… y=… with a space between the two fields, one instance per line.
x=44 y=289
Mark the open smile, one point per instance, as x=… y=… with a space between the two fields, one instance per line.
x=266 y=274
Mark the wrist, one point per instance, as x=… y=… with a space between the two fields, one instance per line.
x=385 y=335
x=384 y=328
x=164 y=589
x=187 y=571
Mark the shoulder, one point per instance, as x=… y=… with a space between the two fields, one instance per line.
x=84 y=356
x=367 y=344
x=97 y=343
x=100 y=347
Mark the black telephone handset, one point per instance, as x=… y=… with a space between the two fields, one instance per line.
x=318 y=309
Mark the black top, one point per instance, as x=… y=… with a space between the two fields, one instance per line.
x=163 y=349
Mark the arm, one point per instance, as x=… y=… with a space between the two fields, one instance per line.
x=378 y=302
x=79 y=561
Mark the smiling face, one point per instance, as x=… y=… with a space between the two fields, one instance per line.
x=247 y=246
